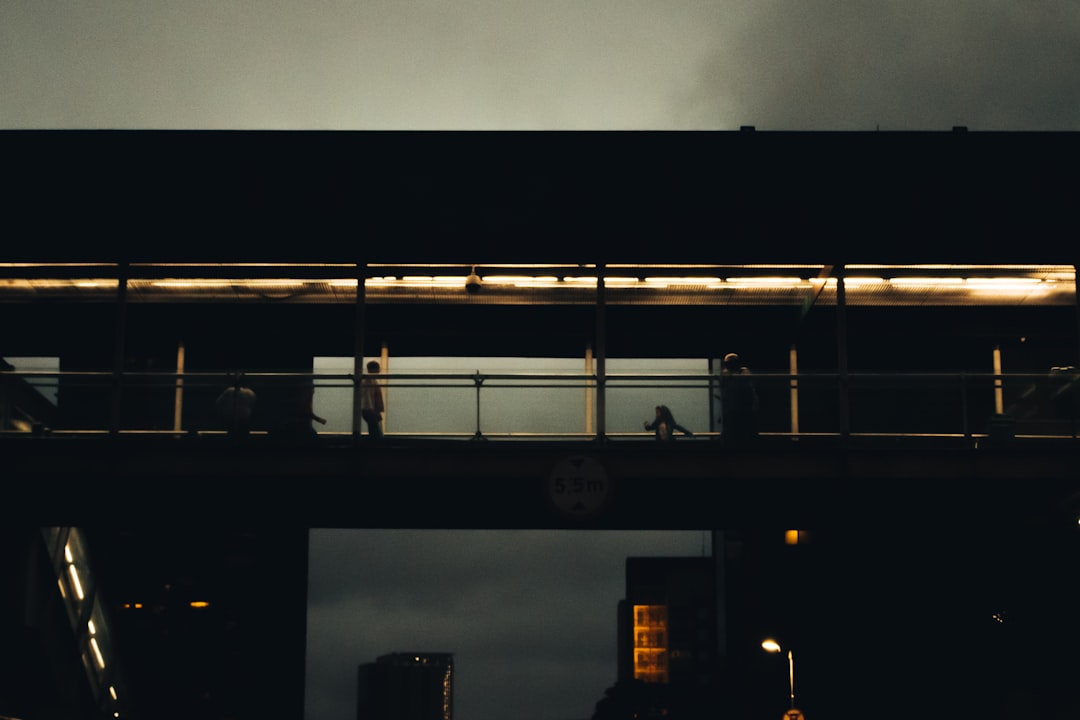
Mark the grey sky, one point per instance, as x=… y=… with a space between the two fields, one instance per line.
x=525 y=64
x=529 y=615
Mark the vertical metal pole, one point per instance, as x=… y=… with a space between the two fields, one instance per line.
x=1073 y=401
x=178 y=401
x=358 y=348
x=119 y=341
x=793 y=364
x=601 y=355
x=1076 y=300
x=999 y=391
x=478 y=380
x=964 y=417
x=384 y=365
x=589 y=385
x=842 y=352
x=791 y=676
x=715 y=373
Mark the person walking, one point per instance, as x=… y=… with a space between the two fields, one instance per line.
x=371 y=400
x=664 y=425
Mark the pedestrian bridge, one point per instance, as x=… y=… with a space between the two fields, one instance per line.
x=830 y=448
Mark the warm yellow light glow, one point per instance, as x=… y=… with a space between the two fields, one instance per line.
x=199 y=604
x=68 y=557
x=926 y=281
x=97 y=653
x=519 y=280
x=668 y=281
x=999 y=281
x=75 y=581
x=112 y=692
x=790 y=282
x=429 y=281
x=49 y=284
x=196 y=283
x=791 y=537
x=1004 y=285
x=215 y=283
x=542 y=281
x=650 y=643
x=43 y=265
x=976 y=284
x=770 y=645
x=91 y=627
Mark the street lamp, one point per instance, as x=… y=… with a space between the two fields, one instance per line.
x=770 y=645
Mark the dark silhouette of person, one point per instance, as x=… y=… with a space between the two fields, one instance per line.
x=236 y=407
x=738 y=403
x=664 y=425
x=371 y=401
x=295 y=425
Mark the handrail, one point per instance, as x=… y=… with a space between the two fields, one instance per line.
x=880 y=404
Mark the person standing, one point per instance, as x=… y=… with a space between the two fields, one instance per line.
x=371 y=400
x=297 y=413
x=235 y=407
x=738 y=403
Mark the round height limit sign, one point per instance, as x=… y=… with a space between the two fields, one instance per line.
x=578 y=486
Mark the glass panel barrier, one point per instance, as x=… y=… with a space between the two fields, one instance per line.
x=532 y=405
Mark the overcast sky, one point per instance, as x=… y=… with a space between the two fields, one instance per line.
x=532 y=64
x=529 y=615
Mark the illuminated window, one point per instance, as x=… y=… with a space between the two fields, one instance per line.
x=650 y=643
x=796 y=537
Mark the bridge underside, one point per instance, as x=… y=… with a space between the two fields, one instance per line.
x=546 y=484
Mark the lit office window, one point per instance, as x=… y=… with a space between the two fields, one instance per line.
x=650 y=643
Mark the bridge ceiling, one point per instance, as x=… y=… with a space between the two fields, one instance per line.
x=706 y=285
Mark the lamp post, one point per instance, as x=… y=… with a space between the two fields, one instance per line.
x=770 y=645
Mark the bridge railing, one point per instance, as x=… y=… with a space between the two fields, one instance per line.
x=550 y=406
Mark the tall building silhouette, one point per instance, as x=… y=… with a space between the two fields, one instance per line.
x=667 y=636
x=406 y=686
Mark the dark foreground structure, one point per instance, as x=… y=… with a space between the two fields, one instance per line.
x=924 y=451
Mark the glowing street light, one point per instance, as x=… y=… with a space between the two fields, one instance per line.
x=770 y=645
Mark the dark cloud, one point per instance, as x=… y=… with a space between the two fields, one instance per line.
x=922 y=65
x=522 y=64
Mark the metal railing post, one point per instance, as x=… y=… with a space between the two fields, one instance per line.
x=601 y=356
x=964 y=417
x=478 y=379
x=358 y=350
x=842 y=355
x=118 y=347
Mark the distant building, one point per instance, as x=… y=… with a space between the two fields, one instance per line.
x=407 y=686
x=667 y=633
